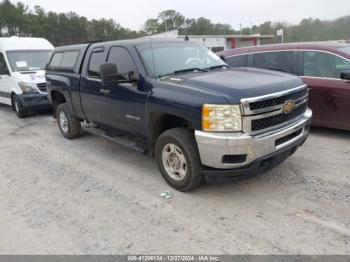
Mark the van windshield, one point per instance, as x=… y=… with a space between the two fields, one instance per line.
x=179 y=57
x=28 y=60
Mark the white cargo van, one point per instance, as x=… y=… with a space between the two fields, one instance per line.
x=22 y=75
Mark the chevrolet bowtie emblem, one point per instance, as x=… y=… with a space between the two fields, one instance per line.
x=288 y=107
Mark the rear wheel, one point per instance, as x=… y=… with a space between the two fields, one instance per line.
x=18 y=107
x=69 y=125
x=178 y=159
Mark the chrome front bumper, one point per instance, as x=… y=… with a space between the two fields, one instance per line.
x=214 y=147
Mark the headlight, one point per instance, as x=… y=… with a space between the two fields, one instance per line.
x=27 y=87
x=221 y=118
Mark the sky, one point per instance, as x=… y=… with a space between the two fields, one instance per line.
x=133 y=13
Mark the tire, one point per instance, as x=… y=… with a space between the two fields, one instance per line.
x=69 y=125
x=172 y=147
x=54 y=109
x=18 y=107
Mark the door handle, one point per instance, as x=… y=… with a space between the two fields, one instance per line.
x=105 y=91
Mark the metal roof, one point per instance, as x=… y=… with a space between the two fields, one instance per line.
x=24 y=43
x=229 y=36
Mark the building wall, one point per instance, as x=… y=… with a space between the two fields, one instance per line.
x=217 y=43
x=247 y=43
x=222 y=43
x=210 y=42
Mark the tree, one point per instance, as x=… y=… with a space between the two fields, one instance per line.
x=71 y=28
x=152 y=25
x=163 y=17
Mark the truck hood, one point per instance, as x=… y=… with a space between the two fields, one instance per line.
x=235 y=84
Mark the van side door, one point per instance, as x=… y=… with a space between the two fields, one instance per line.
x=5 y=81
x=123 y=106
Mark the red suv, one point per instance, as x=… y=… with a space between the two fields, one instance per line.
x=324 y=67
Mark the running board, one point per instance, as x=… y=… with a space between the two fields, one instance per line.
x=119 y=138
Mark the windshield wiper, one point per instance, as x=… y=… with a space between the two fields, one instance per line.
x=184 y=71
x=216 y=67
x=190 y=70
x=276 y=69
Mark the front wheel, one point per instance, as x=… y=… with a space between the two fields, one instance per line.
x=18 y=107
x=178 y=159
x=69 y=125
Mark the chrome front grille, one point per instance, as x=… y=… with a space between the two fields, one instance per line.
x=264 y=113
x=271 y=121
x=42 y=87
x=278 y=100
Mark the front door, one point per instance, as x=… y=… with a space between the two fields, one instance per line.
x=329 y=96
x=5 y=82
x=124 y=104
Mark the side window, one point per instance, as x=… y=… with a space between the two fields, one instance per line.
x=64 y=60
x=69 y=59
x=320 y=64
x=121 y=57
x=280 y=61
x=237 y=61
x=3 y=66
x=96 y=59
x=56 y=60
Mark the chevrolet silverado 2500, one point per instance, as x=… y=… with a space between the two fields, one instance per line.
x=180 y=102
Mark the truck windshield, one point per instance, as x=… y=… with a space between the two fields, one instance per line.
x=162 y=59
x=28 y=60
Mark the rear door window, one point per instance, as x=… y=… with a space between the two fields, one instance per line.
x=237 y=61
x=97 y=58
x=280 y=61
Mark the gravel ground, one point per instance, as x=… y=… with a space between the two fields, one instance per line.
x=90 y=196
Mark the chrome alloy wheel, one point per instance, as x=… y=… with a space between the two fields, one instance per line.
x=174 y=162
x=63 y=121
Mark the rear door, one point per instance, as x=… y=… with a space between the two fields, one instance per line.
x=91 y=90
x=5 y=81
x=329 y=95
x=123 y=105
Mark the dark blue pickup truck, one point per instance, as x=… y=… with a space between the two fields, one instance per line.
x=180 y=102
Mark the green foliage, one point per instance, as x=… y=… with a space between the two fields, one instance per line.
x=70 y=28
x=308 y=29
x=58 y=28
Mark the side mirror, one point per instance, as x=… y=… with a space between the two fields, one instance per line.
x=134 y=76
x=223 y=58
x=345 y=75
x=109 y=73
